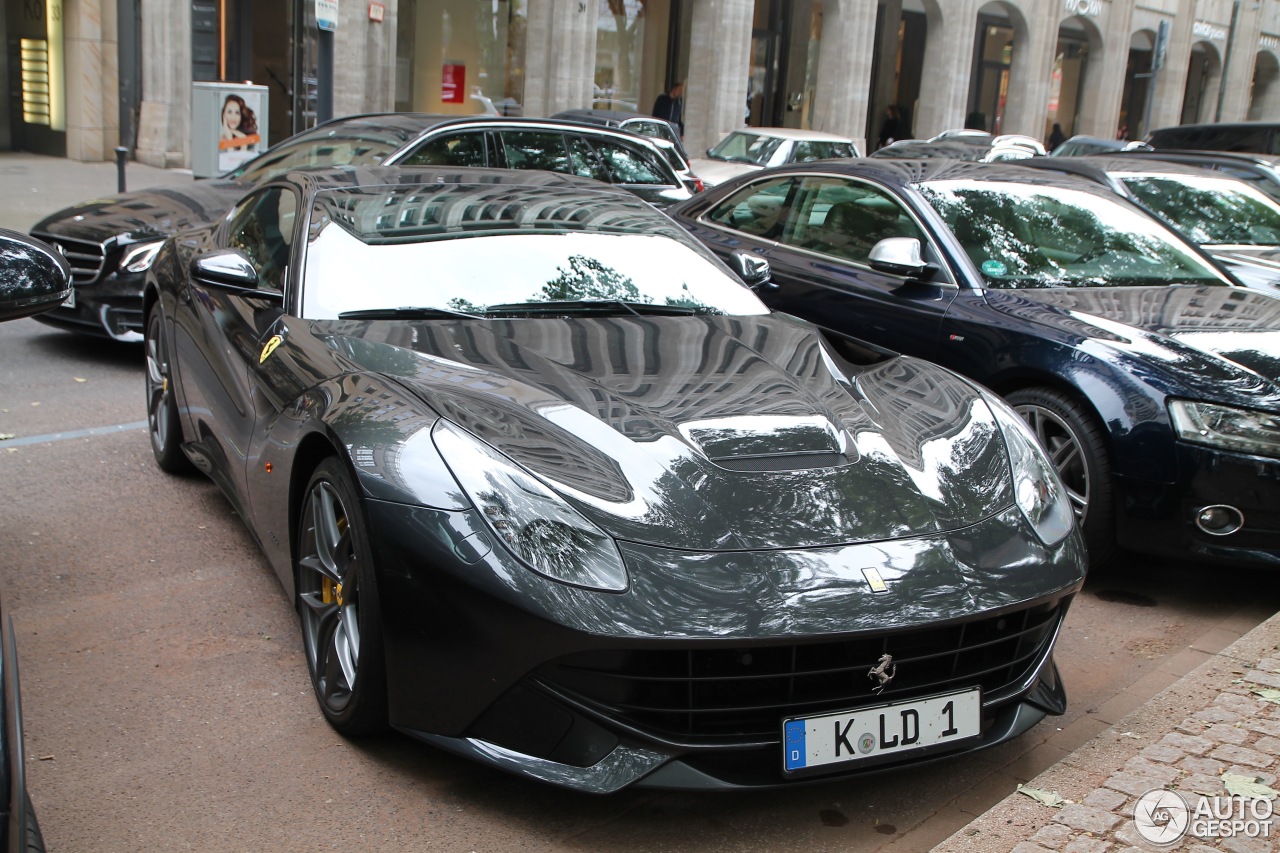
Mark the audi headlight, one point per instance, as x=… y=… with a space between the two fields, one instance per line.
x=1037 y=489
x=140 y=257
x=544 y=531
x=1226 y=428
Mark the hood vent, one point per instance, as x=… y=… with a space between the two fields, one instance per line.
x=763 y=443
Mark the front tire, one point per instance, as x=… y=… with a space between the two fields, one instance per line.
x=162 y=409
x=338 y=605
x=1077 y=447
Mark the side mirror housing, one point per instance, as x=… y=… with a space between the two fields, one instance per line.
x=34 y=277
x=752 y=269
x=898 y=256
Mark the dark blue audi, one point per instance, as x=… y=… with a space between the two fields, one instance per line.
x=1153 y=380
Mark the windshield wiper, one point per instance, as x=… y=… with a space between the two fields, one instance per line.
x=593 y=306
x=407 y=313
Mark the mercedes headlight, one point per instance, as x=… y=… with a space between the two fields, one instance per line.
x=544 y=531
x=1226 y=428
x=140 y=256
x=1037 y=489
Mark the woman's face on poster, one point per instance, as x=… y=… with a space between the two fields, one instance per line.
x=231 y=114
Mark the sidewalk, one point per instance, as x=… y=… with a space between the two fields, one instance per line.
x=36 y=185
x=1211 y=722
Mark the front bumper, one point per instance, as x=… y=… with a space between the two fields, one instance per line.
x=486 y=659
x=109 y=307
x=1159 y=518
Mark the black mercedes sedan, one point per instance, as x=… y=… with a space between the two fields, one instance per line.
x=553 y=490
x=1151 y=378
x=112 y=242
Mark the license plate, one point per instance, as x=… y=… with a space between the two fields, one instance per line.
x=881 y=730
x=70 y=301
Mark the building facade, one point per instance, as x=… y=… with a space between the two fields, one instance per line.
x=85 y=76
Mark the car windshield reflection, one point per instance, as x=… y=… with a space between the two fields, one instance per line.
x=1024 y=236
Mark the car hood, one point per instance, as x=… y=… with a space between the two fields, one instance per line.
x=1211 y=343
x=144 y=214
x=715 y=172
x=707 y=433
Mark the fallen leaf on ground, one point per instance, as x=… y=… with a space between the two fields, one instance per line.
x=1048 y=798
x=79 y=379
x=6 y=435
x=1248 y=786
x=1267 y=694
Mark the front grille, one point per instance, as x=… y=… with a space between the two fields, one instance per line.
x=85 y=257
x=719 y=695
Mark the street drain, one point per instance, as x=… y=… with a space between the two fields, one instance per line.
x=1121 y=596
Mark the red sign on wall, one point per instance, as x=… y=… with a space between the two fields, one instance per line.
x=453 y=83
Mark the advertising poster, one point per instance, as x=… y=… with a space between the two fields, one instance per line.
x=238 y=134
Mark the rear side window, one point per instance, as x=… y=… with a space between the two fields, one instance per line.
x=463 y=149
x=534 y=149
x=629 y=165
x=1256 y=139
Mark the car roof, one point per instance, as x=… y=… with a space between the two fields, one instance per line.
x=394 y=126
x=409 y=203
x=905 y=172
x=1113 y=164
x=794 y=133
x=1191 y=155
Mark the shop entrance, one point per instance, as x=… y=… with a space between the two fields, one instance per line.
x=785 y=40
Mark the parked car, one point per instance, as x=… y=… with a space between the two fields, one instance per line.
x=112 y=242
x=552 y=490
x=1260 y=172
x=1151 y=378
x=1237 y=224
x=1255 y=137
x=659 y=131
x=33 y=278
x=972 y=145
x=755 y=148
x=1079 y=146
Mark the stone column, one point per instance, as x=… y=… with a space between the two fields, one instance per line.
x=715 y=91
x=1026 y=110
x=364 y=61
x=1171 y=79
x=1103 y=86
x=948 y=66
x=164 y=126
x=91 y=54
x=560 y=56
x=844 y=69
x=1244 y=55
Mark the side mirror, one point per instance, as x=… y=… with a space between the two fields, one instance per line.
x=34 y=277
x=752 y=269
x=898 y=256
x=225 y=267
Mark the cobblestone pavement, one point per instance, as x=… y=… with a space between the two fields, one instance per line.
x=1215 y=722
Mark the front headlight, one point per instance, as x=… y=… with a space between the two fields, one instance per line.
x=1037 y=490
x=1226 y=427
x=539 y=527
x=140 y=257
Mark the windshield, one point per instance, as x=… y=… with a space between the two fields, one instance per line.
x=324 y=146
x=1210 y=210
x=743 y=147
x=471 y=273
x=1028 y=236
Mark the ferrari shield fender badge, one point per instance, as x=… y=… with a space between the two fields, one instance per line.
x=874 y=580
x=270 y=347
x=884 y=671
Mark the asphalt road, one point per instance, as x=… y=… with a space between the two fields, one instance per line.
x=168 y=707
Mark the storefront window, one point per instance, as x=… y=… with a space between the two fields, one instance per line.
x=461 y=57
x=620 y=38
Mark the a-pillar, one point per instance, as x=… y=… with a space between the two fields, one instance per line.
x=844 y=68
x=948 y=65
x=715 y=93
x=560 y=56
